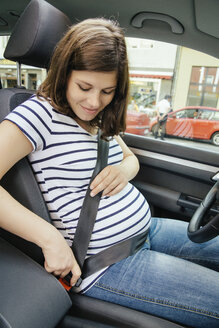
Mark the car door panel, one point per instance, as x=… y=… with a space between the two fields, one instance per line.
x=181 y=128
x=174 y=179
x=202 y=129
x=171 y=125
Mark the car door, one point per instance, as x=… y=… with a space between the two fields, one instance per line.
x=204 y=126
x=179 y=125
x=176 y=174
x=173 y=178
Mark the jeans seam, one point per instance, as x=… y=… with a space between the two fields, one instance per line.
x=157 y=301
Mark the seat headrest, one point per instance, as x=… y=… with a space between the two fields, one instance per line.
x=36 y=34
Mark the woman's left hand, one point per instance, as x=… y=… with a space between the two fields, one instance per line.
x=110 y=180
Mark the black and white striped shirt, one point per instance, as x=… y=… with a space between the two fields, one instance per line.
x=63 y=159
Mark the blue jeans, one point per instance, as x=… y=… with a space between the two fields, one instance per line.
x=162 y=279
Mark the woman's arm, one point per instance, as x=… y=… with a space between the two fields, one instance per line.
x=17 y=219
x=113 y=178
x=129 y=164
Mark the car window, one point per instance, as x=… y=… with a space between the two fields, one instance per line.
x=205 y=114
x=191 y=113
x=180 y=114
x=157 y=69
x=190 y=77
x=203 y=86
x=214 y=116
x=31 y=77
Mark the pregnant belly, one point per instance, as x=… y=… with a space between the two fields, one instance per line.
x=119 y=217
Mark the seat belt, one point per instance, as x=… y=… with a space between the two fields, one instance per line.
x=85 y=226
x=113 y=254
x=90 y=207
x=88 y=213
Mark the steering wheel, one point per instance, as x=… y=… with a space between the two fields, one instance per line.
x=198 y=233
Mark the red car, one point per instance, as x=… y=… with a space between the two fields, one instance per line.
x=193 y=122
x=137 y=122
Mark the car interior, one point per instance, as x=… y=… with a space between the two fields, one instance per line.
x=174 y=178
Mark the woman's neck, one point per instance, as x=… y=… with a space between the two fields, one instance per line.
x=87 y=126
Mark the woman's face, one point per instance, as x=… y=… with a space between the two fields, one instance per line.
x=89 y=92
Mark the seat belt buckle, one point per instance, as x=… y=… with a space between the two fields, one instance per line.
x=66 y=282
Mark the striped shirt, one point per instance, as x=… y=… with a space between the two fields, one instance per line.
x=63 y=159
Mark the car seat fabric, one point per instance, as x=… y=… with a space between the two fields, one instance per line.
x=20 y=181
x=115 y=315
x=30 y=297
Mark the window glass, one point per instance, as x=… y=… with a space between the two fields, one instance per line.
x=191 y=113
x=203 y=88
x=205 y=114
x=189 y=77
x=31 y=77
x=180 y=114
x=157 y=70
x=214 y=116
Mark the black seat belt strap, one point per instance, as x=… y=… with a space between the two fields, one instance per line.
x=90 y=207
x=113 y=254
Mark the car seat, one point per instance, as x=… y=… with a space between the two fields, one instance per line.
x=32 y=42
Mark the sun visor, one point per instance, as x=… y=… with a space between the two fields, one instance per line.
x=206 y=13
x=36 y=34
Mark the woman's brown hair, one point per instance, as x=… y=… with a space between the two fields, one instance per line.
x=94 y=45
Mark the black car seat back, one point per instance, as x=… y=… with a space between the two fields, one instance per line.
x=30 y=297
x=19 y=182
x=32 y=42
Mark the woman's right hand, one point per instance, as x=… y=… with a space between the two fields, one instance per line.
x=60 y=260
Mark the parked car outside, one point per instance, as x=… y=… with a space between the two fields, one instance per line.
x=193 y=122
x=137 y=122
